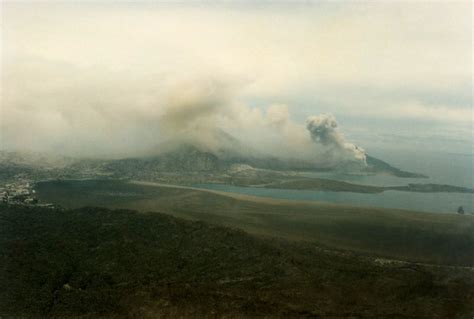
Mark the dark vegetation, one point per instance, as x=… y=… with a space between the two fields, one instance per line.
x=96 y=262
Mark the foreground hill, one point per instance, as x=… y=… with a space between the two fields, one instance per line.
x=95 y=262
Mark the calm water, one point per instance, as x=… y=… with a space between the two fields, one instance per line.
x=453 y=169
x=442 y=168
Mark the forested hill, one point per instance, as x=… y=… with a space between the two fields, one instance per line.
x=95 y=262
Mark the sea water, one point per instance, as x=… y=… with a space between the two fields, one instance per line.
x=442 y=168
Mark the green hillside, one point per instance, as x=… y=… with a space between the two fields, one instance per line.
x=100 y=263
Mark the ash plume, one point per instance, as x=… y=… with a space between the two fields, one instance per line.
x=197 y=101
x=192 y=111
x=324 y=130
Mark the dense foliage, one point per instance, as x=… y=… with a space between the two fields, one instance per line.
x=95 y=262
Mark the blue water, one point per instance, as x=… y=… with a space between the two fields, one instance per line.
x=442 y=168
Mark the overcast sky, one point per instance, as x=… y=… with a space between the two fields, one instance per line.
x=97 y=78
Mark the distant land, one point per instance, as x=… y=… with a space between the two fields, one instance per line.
x=186 y=164
x=197 y=158
x=182 y=163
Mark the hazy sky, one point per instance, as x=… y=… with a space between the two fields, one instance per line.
x=98 y=78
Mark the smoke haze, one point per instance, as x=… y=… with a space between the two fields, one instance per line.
x=110 y=79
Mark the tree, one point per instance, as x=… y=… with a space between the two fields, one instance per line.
x=461 y=210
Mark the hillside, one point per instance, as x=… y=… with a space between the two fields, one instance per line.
x=95 y=262
x=195 y=158
x=377 y=166
x=179 y=161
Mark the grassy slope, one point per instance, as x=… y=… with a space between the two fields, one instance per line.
x=424 y=237
x=95 y=262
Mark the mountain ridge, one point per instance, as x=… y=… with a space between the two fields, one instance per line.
x=215 y=155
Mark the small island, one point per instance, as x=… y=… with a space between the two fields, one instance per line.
x=321 y=184
x=432 y=188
